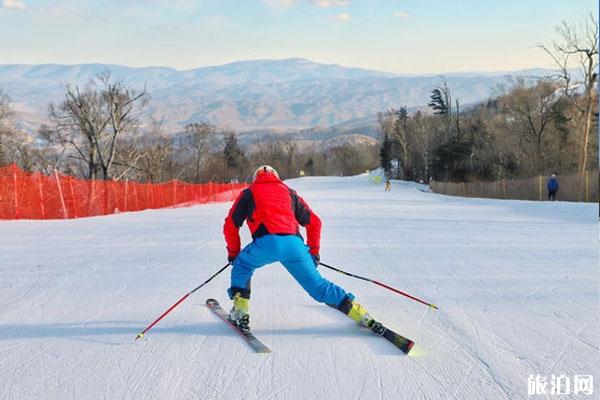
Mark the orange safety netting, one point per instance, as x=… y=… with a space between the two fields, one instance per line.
x=26 y=195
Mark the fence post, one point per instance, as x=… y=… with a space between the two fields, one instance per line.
x=94 y=204
x=163 y=202
x=174 y=192
x=151 y=190
x=72 y=197
x=135 y=196
x=504 y=188
x=41 y=192
x=112 y=199
x=60 y=193
x=540 y=186
x=104 y=202
x=126 y=190
x=113 y=196
x=16 y=195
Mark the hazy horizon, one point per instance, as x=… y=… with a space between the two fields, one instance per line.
x=424 y=73
x=412 y=37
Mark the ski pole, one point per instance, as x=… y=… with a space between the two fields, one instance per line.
x=141 y=334
x=380 y=284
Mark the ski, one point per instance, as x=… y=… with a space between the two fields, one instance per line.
x=397 y=340
x=256 y=344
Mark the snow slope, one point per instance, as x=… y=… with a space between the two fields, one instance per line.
x=516 y=283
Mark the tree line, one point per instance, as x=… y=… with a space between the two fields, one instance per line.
x=101 y=131
x=531 y=126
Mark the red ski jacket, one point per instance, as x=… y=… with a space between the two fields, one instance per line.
x=270 y=207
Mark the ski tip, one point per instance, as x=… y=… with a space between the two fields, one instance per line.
x=434 y=306
x=264 y=351
x=139 y=336
x=416 y=351
x=409 y=347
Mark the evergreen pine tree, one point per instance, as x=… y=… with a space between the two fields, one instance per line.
x=438 y=103
x=385 y=155
x=232 y=152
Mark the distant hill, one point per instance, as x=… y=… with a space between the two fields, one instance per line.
x=277 y=95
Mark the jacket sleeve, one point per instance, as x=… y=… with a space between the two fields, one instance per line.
x=233 y=222
x=311 y=221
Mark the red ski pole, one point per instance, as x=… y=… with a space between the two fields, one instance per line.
x=380 y=284
x=141 y=334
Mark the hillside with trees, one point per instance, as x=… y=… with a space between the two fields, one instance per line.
x=530 y=127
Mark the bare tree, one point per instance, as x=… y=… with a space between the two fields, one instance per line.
x=529 y=110
x=93 y=119
x=441 y=103
x=15 y=145
x=5 y=108
x=393 y=126
x=155 y=161
x=577 y=46
x=199 y=136
x=350 y=159
x=5 y=131
x=279 y=154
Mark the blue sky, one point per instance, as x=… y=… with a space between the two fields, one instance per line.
x=404 y=36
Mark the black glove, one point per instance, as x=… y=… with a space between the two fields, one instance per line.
x=316 y=259
x=231 y=259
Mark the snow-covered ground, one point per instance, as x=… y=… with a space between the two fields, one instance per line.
x=516 y=283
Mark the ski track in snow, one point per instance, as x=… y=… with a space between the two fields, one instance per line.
x=516 y=283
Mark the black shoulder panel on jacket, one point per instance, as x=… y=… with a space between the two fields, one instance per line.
x=301 y=213
x=243 y=208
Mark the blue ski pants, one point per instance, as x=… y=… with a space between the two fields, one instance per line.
x=291 y=251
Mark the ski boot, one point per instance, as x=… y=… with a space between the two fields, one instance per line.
x=239 y=315
x=358 y=313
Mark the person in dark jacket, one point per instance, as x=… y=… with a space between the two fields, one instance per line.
x=552 y=187
x=274 y=213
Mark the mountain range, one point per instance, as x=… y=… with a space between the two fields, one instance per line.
x=253 y=96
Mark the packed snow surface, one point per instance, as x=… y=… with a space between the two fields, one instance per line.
x=516 y=283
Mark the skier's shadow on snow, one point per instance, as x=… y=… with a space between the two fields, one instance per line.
x=120 y=332
x=340 y=335
x=341 y=332
x=89 y=332
x=124 y=332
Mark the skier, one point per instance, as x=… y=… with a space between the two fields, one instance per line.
x=273 y=213
x=552 y=187
x=388 y=185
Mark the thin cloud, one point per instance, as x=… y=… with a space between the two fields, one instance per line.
x=13 y=5
x=330 y=3
x=318 y=3
x=400 y=14
x=343 y=17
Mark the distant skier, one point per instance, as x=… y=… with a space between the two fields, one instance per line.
x=388 y=185
x=273 y=213
x=552 y=187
